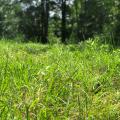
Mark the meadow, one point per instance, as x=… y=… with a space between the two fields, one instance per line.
x=59 y=82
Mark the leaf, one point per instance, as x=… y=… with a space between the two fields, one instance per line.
x=34 y=103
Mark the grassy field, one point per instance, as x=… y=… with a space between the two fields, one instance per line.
x=58 y=82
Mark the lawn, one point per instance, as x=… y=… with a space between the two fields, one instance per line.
x=59 y=82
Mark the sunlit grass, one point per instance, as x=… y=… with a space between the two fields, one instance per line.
x=58 y=82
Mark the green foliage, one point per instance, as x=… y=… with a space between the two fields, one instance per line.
x=59 y=82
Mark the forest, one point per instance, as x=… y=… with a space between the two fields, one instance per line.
x=68 y=21
x=60 y=59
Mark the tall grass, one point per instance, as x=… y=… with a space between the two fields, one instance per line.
x=57 y=82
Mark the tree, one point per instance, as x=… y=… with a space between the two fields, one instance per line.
x=44 y=20
x=112 y=24
x=1 y=23
x=8 y=18
x=76 y=8
x=91 y=19
x=63 y=24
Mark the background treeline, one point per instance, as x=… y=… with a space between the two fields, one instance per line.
x=63 y=20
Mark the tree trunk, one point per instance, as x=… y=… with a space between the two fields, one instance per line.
x=63 y=24
x=47 y=20
x=44 y=20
